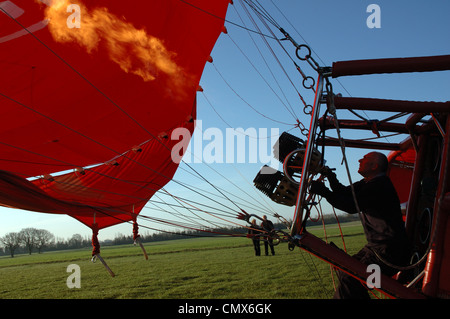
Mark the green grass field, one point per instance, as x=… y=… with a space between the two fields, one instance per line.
x=197 y=268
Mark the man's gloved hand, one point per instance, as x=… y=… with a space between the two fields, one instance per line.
x=327 y=172
x=319 y=188
x=330 y=175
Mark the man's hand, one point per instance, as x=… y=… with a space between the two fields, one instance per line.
x=319 y=188
x=327 y=172
x=330 y=175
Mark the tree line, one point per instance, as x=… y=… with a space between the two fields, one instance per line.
x=30 y=240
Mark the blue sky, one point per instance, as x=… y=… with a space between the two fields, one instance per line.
x=336 y=30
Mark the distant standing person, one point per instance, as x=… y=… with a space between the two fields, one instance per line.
x=254 y=233
x=268 y=227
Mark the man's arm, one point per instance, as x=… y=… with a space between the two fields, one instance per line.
x=341 y=197
x=332 y=179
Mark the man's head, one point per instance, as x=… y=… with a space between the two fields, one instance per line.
x=373 y=164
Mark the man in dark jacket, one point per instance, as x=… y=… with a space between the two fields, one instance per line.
x=254 y=232
x=381 y=217
x=268 y=227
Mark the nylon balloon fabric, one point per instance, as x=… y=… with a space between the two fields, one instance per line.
x=93 y=90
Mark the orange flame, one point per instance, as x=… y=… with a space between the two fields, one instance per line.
x=134 y=50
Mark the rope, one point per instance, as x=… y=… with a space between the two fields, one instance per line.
x=225 y=20
x=178 y=199
x=135 y=227
x=243 y=100
x=332 y=110
x=384 y=261
x=340 y=229
x=292 y=111
x=95 y=242
x=276 y=57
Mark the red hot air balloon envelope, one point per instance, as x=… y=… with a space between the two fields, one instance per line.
x=93 y=89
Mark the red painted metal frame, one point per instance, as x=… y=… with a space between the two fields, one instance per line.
x=395 y=65
x=436 y=282
x=390 y=105
x=350 y=265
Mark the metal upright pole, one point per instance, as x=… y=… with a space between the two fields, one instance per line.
x=298 y=216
